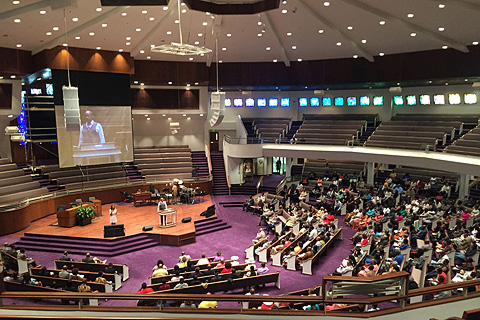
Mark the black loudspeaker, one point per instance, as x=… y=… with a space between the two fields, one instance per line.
x=115 y=230
x=147 y=228
x=187 y=219
x=210 y=213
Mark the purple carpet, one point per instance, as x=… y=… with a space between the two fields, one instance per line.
x=230 y=242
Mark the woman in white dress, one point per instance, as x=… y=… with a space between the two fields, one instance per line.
x=113 y=214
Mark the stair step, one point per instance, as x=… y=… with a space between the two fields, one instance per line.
x=213 y=230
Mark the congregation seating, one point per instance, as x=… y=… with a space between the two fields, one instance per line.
x=319 y=129
x=164 y=163
x=270 y=130
x=320 y=167
x=308 y=264
x=469 y=144
x=55 y=282
x=122 y=269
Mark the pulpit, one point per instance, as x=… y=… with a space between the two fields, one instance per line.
x=167 y=218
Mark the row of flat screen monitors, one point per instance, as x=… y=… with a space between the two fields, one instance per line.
x=410 y=100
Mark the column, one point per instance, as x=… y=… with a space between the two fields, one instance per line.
x=288 y=168
x=370 y=173
x=463 y=186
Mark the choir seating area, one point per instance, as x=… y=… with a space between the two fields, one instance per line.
x=469 y=144
x=320 y=167
x=270 y=130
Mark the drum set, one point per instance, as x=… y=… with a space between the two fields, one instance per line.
x=188 y=195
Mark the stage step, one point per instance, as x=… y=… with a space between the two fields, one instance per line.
x=77 y=245
x=210 y=225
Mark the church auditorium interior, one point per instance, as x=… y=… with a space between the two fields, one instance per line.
x=255 y=159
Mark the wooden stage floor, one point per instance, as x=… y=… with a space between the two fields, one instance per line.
x=133 y=218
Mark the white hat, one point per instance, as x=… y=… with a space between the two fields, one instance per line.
x=250 y=261
x=234 y=258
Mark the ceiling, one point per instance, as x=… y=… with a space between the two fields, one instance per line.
x=299 y=29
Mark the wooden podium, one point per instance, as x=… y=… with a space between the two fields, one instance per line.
x=66 y=218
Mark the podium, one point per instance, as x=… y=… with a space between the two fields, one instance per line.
x=167 y=218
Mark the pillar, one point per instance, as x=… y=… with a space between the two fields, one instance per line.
x=288 y=168
x=463 y=186
x=370 y=173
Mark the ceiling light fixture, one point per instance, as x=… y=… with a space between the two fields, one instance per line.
x=55 y=28
x=284 y=11
x=99 y=48
x=204 y=23
x=104 y=25
x=444 y=47
x=339 y=43
x=475 y=43
x=410 y=15
x=17 y=20
x=142 y=51
x=289 y=34
x=268 y=48
x=229 y=35
x=151 y=18
x=364 y=41
x=441 y=29
x=75 y=19
x=441 y=6
x=355 y=56
x=381 y=54
x=124 y=14
x=275 y=60
x=144 y=11
x=382 y=22
x=350 y=28
x=120 y=50
x=413 y=34
x=76 y=38
x=48 y=33
x=43 y=12
x=98 y=9
x=321 y=31
x=169 y=32
x=294 y=47
x=326 y=4
x=299 y=60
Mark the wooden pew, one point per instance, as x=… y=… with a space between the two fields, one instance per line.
x=277 y=258
x=122 y=269
x=226 y=285
x=308 y=264
x=263 y=254
x=61 y=283
x=250 y=251
x=21 y=265
x=114 y=278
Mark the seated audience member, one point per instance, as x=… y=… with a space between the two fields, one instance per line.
x=6 y=247
x=101 y=279
x=180 y=259
x=84 y=287
x=110 y=269
x=64 y=274
x=65 y=257
x=263 y=269
x=249 y=203
x=160 y=265
x=220 y=264
x=163 y=285
x=261 y=235
x=218 y=257
x=88 y=258
x=22 y=256
x=208 y=304
x=183 y=263
x=74 y=275
x=251 y=272
x=145 y=289
x=209 y=271
x=160 y=272
x=181 y=283
x=188 y=304
x=227 y=268
x=203 y=260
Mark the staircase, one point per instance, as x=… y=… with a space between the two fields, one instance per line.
x=199 y=160
x=77 y=245
x=293 y=129
x=251 y=136
x=210 y=225
x=132 y=172
x=220 y=186
x=367 y=133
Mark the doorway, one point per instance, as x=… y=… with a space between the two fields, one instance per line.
x=279 y=165
x=213 y=141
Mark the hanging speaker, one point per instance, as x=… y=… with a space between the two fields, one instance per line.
x=71 y=107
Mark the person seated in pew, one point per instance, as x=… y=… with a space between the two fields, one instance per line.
x=261 y=235
x=249 y=202
x=218 y=257
x=208 y=272
x=181 y=283
x=27 y=279
x=101 y=279
x=176 y=276
x=203 y=260
x=207 y=304
x=304 y=256
x=88 y=258
x=220 y=264
x=145 y=289
x=64 y=274
x=84 y=287
x=22 y=256
x=188 y=304
x=227 y=268
x=69 y=286
x=159 y=265
x=74 y=275
x=163 y=285
x=109 y=269
x=65 y=257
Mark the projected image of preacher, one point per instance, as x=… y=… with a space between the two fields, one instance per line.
x=91 y=132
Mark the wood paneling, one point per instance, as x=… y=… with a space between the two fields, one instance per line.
x=6 y=95
x=165 y=99
x=15 y=61
x=162 y=72
x=85 y=60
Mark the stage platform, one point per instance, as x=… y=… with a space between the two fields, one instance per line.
x=134 y=219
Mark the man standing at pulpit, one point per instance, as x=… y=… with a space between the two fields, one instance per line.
x=162 y=205
x=91 y=132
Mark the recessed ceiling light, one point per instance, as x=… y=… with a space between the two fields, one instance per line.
x=321 y=31
x=441 y=6
x=294 y=47
x=289 y=34
x=350 y=28
x=120 y=50
x=224 y=49
x=13 y=77
x=188 y=118
x=43 y=12
x=135 y=82
x=446 y=83
x=204 y=23
x=65 y=44
x=182 y=3
x=190 y=59
x=284 y=2
x=339 y=43
x=144 y=11
x=151 y=18
x=284 y=11
x=99 y=48
x=207 y=13
x=76 y=38
x=268 y=48
x=441 y=29
x=55 y=28
x=170 y=82
x=138 y=29
x=229 y=35
x=326 y=3
x=146 y=115
x=104 y=25
x=99 y=9
x=475 y=43
x=91 y=33
x=196 y=83
x=152 y=45
x=169 y=118
x=413 y=34
x=19 y=45
x=299 y=60
x=197 y=42
x=410 y=15
x=75 y=19
x=124 y=14
x=259 y=23
x=165 y=8
x=259 y=34
x=148 y=118
x=48 y=33
x=10 y=115
x=444 y=47
x=128 y=43
x=184 y=10
x=355 y=56
x=275 y=60
x=128 y=38
x=16 y=2
x=381 y=54
x=364 y=41
x=169 y=32
x=17 y=20
x=142 y=51
x=184 y=115
x=149 y=57
x=164 y=115
x=382 y=22
x=177 y=21
x=220 y=61
x=200 y=34
x=201 y=114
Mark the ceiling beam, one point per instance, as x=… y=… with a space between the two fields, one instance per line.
x=152 y=31
x=53 y=4
x=283 y=53
x=431 y=34
x=363 y=52
x=61 y=39
x=216 y=27
x=466 y=4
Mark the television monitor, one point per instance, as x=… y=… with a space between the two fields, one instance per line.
x=411 y=100
x=351 y=101
x=314 y=102
x=273 y=102
x=302 y=102
x=339 y=101
x=104 y=135
x=470 y=98
x=285 y=102
x=398 y=100
x=378 y=101
x=326 y=101
x=439 y=99
x=425 y=99
x=261 y=102
x=49 y=89
x=454 y=98
x=365 y=101
x=35 y=91
x=238 y=102
x=249 y=102
x=228 y=102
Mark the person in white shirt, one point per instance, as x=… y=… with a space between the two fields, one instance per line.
x=91 y=132
x=162 y=205
x=202 y=260
x=113 y=214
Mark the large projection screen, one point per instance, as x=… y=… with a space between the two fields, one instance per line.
x=105 y=136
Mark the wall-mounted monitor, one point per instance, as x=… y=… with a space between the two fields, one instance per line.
x=238 y=102
x=303 y=102
x=378 y=101
x=425 y=99
x=228 y=102
x=439 y=99
x=261 y=102
x=351 y=101
x=273 y=102
x=365 y=101
x=285 y=102
x=35 y=91
x=49 y=89
x=326 y=101
x=398 y=100
x=411 y=100
x=470 y=98
x=314 y=102
x=339 y=102
x=454 y=98
x=249 y=102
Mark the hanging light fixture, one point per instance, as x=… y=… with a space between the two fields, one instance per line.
x=180 y=49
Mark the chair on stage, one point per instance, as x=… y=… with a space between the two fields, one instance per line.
x=167 y=194
x=127 y=197
x=154 y=193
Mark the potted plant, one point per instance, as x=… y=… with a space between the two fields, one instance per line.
x=84 y=215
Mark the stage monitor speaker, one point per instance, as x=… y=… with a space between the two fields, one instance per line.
x=210 y=213
x=187 y=219
x=115 y=230
x=147 y=228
